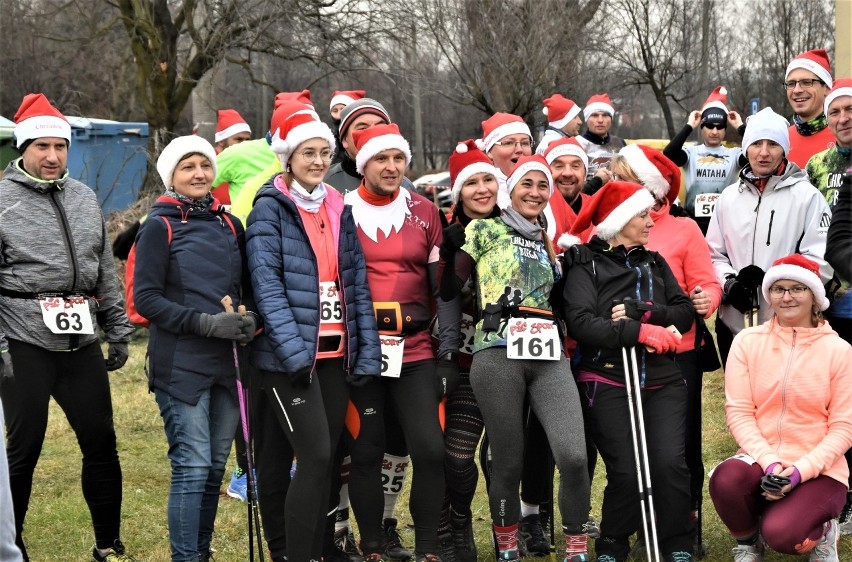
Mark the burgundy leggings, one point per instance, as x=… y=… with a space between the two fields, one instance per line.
x=792 y=525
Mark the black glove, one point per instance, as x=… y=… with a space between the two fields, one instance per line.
x=224 y=325
x=446 y=375
x=359 y=381
x=116 y=355
x=751 y=276
x=738 y=295
x=453 y=239
x=576 y=255
x=636 y=309
x=302 y=377
x=677 y=211
x=7 y=374
x=248 y=328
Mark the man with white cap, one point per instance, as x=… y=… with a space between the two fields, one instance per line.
x=709 y=167
x=772 y=211
x=826 y=169
x=339 y=100
x=57 y=287
x=807 y=80
x=600 y=145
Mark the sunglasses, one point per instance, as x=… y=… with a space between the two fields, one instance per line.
x=719 y=126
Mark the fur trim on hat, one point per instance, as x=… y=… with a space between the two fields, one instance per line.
x=640 y=201
x=177 y=150
x=796 y=273
x=380 y=144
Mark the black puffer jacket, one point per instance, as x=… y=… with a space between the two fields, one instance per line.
x=614 y=274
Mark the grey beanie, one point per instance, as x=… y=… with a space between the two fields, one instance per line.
x=360 y=107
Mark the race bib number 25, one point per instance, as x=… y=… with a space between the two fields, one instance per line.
x=66 y=315
x=532 y=338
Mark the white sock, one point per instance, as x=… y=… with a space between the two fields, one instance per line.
x=528 y=509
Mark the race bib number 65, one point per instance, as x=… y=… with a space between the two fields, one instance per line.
x=330 y=311
x=66 y=315
x=532 y=338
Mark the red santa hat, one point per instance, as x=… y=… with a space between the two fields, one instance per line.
x=816 y=61
x=345 y=97
x=659 y=174
x=559 y=110
x=526 y=164
x=466 y=161
x=598 y=102
x=229 y=124
x=842 y=87
x=609 y=209
x=566 y=146
x=717 y=98
x=292 y=124
x=302 y=97
x=36 y=119
x=499 y=126
x=376 y=139
x=796 y=267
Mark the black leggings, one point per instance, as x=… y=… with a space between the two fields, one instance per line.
x=305 y=422
x=78 y=381
x=414 y=397
x=462 y=432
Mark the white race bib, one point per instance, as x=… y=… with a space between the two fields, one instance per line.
x=330 y=310
x=705 y=204
x=392 y=348
x=66 y=315
x=532 y=338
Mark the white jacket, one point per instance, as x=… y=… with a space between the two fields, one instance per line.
x=753 y=228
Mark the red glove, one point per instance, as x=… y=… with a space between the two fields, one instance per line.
x=659 y=339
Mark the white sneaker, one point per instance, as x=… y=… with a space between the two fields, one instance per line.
x=749 y=553
x=826 y=549
x=845 y=520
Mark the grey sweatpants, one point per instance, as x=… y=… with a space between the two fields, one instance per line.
x=500 y=384
x=9 y=552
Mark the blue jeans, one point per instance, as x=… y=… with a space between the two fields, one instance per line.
x=199 y=443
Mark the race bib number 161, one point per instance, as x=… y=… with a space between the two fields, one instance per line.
x=532 y=338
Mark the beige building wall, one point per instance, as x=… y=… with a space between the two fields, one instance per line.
x=843 y=38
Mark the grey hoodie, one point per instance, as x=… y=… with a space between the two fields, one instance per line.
x=53 y=239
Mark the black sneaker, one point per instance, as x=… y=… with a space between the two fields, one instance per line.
x=446 y=547
x=531 y=539
x=344 y=539
x=464 y=541
x=392 y=547
x=116 y=554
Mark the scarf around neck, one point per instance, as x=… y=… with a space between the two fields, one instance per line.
x=204 y=203
x=309 y=201
x=527 y=229
x=812 y=127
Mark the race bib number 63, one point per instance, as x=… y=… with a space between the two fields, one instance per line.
x=532 y=338
x=66 y=315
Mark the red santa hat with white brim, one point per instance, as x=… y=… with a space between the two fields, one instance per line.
x=842 y=87
x=796 y=267
x=499 y=126
x=466 y=161
x=345 y=97
x=559 y=110
x=596 y=103
x=302 y=97
x=566 y=146
x=36 y=119
x=815 y=61
x=525 y=165
x=376 y=139
x=609 y=210
x=294 y=123
x=718 y=98
x=659 y=174
x=229 y=123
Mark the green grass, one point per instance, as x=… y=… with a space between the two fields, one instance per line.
x=58 y=525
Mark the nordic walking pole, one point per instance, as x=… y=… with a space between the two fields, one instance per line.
x=242 y=395
x=640 y=454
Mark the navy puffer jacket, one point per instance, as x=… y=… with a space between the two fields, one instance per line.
x=283 y=271
x=174 y=282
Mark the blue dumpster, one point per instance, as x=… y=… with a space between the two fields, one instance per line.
x=110 y=157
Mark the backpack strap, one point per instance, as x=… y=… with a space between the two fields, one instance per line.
x=168 y=228
x=230 y=223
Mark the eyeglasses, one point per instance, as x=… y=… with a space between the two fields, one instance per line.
x=309 y=155
x=719 y=126
x=513 y=144
x=796 y=292
x=805 y=83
